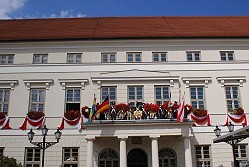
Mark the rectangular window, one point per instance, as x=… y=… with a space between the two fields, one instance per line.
x=73 y=99
x=73 y=58
x=159 y=56
x=70 y=157
x=108 y=57
x=135 y=95
x=40 y=59
x=134 y=57
x=241 y=154
x=108 y=91
x=203 y=158
x=4 y=100
x=227 y=56
x=193 y=56
x=161 y=94
x=37 y=100
x=232 y=97
x=1 y=151
x=32 y=157
x=6 y=59
x=197 y=97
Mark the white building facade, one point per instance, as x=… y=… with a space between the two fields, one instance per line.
x=55 y=75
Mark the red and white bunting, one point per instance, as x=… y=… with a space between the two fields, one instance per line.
x=76 y=122
x=201 y=120
x=237 y=119
x=4 y=123
x=180 y=111
x=36 y=123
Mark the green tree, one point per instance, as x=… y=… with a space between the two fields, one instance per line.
x=9 y=162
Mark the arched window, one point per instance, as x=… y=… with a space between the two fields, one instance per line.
x=108 y=158
x=167 y=158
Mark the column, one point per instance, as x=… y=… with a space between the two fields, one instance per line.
x=90 y=152
x=188 y=154
x=123 y=154
x=154 y=151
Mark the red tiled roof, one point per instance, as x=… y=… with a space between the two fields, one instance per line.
x=124 y=28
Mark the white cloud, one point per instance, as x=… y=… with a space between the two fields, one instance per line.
x=9 y=6
x=67 y=14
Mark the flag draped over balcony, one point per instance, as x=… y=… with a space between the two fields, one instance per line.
x=180 y=112
x=103 y=107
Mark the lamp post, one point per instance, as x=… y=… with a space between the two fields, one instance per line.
x=44 y=145
x=232 y=142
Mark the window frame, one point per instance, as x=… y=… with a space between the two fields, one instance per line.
x=232 y=99
x=134 y=54
x=41 y=58
x=108 y=60
x=37 y=103
x=159 y=56
x=226 y=58
x=108 y=93
x=74 y=59
x=7 y=59
x=238 y=152
x=1 y=152
x=3 y=101
x=193 y=56
x=197 y=100
x=162 y=99
x=70 y=162
x=74 y=103
x=203 y=159
x=111 y=159
x=33 y=162
x=135 y=95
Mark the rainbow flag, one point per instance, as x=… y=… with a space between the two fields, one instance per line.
x=92 y=111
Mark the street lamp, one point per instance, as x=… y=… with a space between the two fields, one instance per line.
x=44 y=145
x=232 y=142
x=217 y=131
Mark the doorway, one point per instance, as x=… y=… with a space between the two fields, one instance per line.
x=137 y=158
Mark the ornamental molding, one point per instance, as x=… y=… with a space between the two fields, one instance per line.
x=38 y=83
x=8 y=84
x=196 y=81
x=232 y=80
x=76 y=82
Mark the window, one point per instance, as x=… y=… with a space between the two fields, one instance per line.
x=32 y=157
x=167 y=157
x=1 y=151
x=135 y=95
x=197 y=97
x=241 y=154
x=74 y=58
x=161 y=94
x=40 y=59
x=203 y=156
x=70 y=157
x=108 y=57
x=232 y=97
x=37 y=100
x=193 y=56
x=73 y=99
x=6 y=59
x=108 y=91
x=108 y=158
x=158 y=56
x=227 y=56
x=134 y=57
x=4 y=100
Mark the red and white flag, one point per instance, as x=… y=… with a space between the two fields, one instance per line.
x=180 y=111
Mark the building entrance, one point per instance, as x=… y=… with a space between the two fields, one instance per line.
x=137 y=158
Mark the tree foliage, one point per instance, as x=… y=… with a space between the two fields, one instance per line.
x=9 y=162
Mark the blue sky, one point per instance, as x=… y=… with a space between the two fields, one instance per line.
x=12 y=9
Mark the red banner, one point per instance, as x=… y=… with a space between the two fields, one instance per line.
x=76 y=121
x=37 y=123
x=201 y=120
x=236 y=119
x=4 y=123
